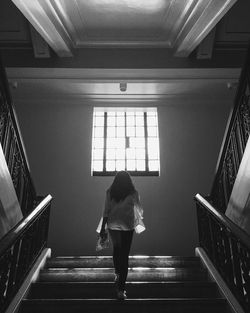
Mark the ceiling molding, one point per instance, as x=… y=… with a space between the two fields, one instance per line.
x=177 y=24
x=100 y=84
x=100 y=74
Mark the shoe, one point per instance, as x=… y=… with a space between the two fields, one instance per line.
x=121 y=295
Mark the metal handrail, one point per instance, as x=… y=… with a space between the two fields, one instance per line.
x=222 y=218
x=20 y=228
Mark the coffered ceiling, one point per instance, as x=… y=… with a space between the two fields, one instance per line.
x=72 y=24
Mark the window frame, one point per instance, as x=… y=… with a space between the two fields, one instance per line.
x=125 y=110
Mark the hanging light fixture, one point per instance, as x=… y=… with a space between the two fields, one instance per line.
x=123 y=87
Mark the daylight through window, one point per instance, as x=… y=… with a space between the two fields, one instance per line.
x=125 y=139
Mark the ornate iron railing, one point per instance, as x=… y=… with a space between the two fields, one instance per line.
x=228 y=247
x=13 y=149
x=234 y=143
x=20 y=248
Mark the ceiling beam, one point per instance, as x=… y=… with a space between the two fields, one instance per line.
x=45 y=20
x=204 y=17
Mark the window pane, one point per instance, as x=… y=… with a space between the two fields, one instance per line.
x=151 y=113
x=110 y=165
x=120 y=143
x=139 y=131
x=140 y=153
x=153 y=153
x=120 y=154
x=120 y=132
x=152 y=131
x=98 y=143
x=130 y=120
x=153 y=165
x=110 y=154
x=120 y=165
x=99 y=121
x=120 y=120
x=131 y=131
x=120 y=113
x=153 y=144
x=139 y=113
x=111 y=143
x=98 y=166
x=99 y=132
x=131 y=165
x=130 y=153
x=111 y=120
x=99 y=113
x=140 y=165
x=139 y=121
x=98 y=154
x=137 y=142
x=151 y=120
x=110 y=131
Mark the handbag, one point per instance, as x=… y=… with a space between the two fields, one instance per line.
x=102 y=243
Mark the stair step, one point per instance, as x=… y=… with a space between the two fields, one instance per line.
x=134 y=274
x=87 y=290
x=114 y=306
x=134 y=261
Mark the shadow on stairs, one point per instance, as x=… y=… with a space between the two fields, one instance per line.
x=155 y=284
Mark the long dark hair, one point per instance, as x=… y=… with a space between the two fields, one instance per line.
x=122 y=186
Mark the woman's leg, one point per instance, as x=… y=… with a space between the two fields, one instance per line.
x=126 y=240
x=117 y=248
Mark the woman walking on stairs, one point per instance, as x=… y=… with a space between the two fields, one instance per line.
x=121 y=217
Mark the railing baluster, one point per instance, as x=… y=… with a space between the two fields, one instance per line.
x=228 y=247
x=234 y=143
x=13 y=149
x=20 y=248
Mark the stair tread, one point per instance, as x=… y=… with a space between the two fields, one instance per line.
x=74 y=290
x=130 y=257
x=149 y=305
x=107 y=261
x=139 y=300
x=161 y=283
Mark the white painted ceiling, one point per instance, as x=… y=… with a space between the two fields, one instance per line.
x=71 y=24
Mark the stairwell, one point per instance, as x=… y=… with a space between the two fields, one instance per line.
x=155 y=284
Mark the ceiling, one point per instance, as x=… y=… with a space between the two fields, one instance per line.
x=180 y=25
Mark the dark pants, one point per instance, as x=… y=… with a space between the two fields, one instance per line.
x=121 y=241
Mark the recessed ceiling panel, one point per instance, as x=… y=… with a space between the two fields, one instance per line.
x=111 y=22
x=70 y=24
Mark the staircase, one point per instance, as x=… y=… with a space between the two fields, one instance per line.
x=155 y=284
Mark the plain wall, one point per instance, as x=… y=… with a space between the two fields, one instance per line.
x=57 y=136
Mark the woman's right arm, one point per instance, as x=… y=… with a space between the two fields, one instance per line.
x=138 y=204
x=105 y=214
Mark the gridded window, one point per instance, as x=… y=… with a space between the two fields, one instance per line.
x=125 y=139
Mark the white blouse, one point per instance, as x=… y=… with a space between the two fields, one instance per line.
x=125 y=215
